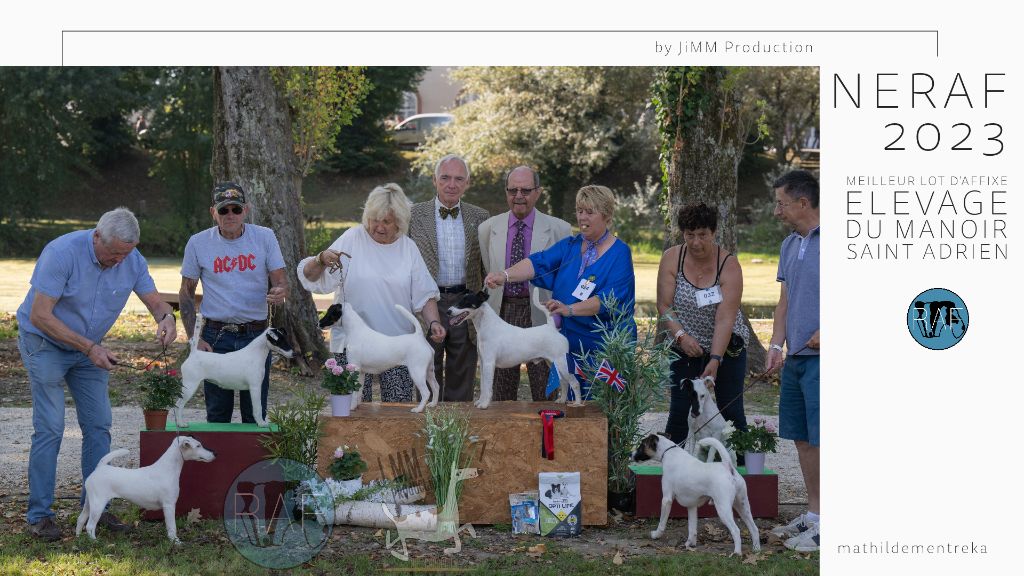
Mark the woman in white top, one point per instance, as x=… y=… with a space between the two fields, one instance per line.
x=385 y=268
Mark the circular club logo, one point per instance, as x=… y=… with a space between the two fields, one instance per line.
x=278 y=514
x=937 y=319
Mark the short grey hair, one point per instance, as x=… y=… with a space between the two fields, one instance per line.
x=384 y=200
x=437 y=167
x=118 y=224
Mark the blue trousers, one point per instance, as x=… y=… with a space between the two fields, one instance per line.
x=728 y=388
x=220 y=403
x=49 y=368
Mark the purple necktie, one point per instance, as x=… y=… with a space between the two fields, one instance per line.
x=517 y=289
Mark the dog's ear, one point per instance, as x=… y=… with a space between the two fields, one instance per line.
x=331 y=316
x=484 y=295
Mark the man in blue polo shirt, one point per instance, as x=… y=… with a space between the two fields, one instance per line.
x=80 y=284
x=797 y=324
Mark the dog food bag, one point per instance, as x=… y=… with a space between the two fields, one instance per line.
x=525 y=512
x=561 y=507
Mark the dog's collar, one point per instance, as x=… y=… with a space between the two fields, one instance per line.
x=667 y=449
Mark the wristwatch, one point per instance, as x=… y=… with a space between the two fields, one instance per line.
x=716 y=357
x=775 y=347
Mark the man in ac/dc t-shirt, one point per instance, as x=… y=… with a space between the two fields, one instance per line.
x=234 y=261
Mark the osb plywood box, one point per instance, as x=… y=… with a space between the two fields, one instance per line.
x=508 y=453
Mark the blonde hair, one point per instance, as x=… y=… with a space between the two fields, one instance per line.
x=384 y=200
x=598 y=198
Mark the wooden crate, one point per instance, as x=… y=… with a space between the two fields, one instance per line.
x=508 y=453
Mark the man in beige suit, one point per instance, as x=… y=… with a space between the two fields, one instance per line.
x=504 y=240
x=445 y=230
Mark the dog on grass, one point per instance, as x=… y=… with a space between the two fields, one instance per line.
x=374 y=352
x=502 y=345
x=693 y=483
x=153 y=487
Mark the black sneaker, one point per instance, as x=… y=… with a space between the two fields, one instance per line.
x=45 y=529
x=111 y=522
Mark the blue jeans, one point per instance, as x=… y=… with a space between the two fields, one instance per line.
x=49 y=367
x=728 y=388
x=220 y=403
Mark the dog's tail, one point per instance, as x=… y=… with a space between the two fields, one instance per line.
x=412 y=319
x=111 y=455
x=714 y=445
x=535 y=300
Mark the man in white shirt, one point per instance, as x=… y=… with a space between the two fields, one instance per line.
x=506 y=239
x=445 y=230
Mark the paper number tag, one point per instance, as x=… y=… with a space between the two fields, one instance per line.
x=584 y=290
x=709 y=296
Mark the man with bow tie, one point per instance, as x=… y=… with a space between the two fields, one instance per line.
x=445 y=230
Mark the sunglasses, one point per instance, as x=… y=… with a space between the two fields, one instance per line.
x=236 y=209
x=516 y=191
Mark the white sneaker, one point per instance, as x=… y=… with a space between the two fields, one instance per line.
x=806 y=541
x=796 y=526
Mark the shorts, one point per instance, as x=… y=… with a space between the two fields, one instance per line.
x=798 y=403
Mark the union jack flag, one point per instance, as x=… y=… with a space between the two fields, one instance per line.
x=579 y=372
x=607 y=373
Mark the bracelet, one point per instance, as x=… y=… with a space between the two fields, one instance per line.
x=678 y=333
x=716 y=357
x=775 y=347
x=569 y=308
x=89 y=350
x=506 y=276
x=319 y=259
x=171 y=314
x=432 y=322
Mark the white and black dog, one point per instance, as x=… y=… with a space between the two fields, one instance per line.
x=693 y=483
x=704 y=420
x=502 y=345
x=239 y=370
x=374 y=352
x=153 y=487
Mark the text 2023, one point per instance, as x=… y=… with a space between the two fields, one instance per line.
x=928 y=137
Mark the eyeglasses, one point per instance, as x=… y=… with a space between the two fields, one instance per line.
x=235 y=209
x=516 y=191
x=781 y=204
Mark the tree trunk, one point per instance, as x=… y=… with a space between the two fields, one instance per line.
x=704 y=158
x=253 y=146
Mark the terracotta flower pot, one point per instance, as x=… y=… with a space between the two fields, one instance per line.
x=155 y=419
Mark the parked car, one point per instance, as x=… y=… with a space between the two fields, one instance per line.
x=412 y=132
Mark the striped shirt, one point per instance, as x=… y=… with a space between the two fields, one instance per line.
x=451 y=247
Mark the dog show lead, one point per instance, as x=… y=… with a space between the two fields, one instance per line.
x=80 y=284
x=580 y=271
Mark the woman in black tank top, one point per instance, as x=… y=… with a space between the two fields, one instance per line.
x=699 y=291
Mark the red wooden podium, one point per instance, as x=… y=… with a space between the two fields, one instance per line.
x=762 y=491
x=204 y=485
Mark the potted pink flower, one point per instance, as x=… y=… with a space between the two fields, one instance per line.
x=341 y=381
x=759 y=438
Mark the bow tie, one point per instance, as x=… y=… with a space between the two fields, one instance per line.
x=445 y=212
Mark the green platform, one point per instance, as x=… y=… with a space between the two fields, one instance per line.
x=220 y=427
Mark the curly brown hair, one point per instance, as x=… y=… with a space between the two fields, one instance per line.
x=697 y=216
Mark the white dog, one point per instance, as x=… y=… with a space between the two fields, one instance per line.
x=704 y=419
x=238 y=370
x=374 y=352
x=502 y=345
x=153 y=487
x=693 y=483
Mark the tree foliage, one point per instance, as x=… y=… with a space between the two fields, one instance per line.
x=365 y=146
x=568 y=122
x=321 y=99
x=791 y=106
x=57 y=124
